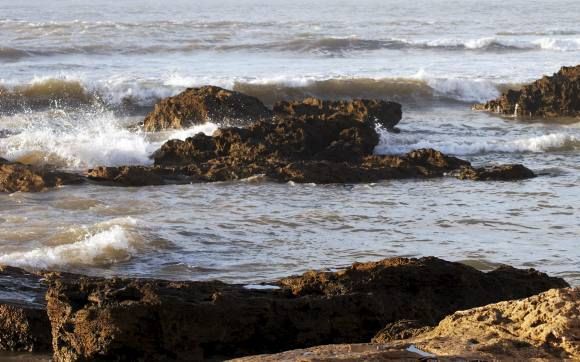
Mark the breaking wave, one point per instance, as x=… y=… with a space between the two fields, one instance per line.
x=127 y=94
x=110 y=242
x=403 y=143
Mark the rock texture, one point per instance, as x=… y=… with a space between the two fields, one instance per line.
x=24 y=324
x=15 y=176
x=132 y=319
x=555 y=96
x=209 y=103
x=309 y=149
x=545 y=326
x=494 y=173
x=383 y=113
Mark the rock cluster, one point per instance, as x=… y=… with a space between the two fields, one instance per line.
x=143 y=319
x=552 y=96
x=15 y=176
x=199 y=105
x=311 y=148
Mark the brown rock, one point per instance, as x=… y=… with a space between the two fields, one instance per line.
x=139 y=319
x=24 y=324
x=15 y=176
x=555 y=96
x=386 y=114
x=209 y=103
x=544 y=326
x=494 y=173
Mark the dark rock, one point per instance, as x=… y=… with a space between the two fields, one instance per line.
x=402 y=329
x=24 y=324
x=209 y=103
x=555 y=96
x=494 y=173
x=386 y=114
x=139 y=319
x=15 y=176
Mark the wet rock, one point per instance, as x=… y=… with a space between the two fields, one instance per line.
x=15 y=177
x=552 y=96
x=545 y=326
x=402 y=329
x=209 y=103
x=386 y=114
x=494 y=173
x=138 y=319
x=24 y=324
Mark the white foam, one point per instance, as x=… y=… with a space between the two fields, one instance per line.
x=467 y=90
x=403 y=143
x=86 y=141
x=111 y=245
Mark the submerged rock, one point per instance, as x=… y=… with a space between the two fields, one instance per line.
x=137 y=319
x=16 y=176
x=383 y=113
x=200 y=105
x=494 y=173
x=552 y=96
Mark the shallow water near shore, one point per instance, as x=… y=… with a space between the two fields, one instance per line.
x=74 y=105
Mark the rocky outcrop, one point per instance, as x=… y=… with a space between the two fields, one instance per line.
x=24 y=324
x=319 y=150
x=493 y=173
x=209 y=103
x=541 y=327
x=555 y=96
x=383 y=113
x=15 y=176
x=137 y=319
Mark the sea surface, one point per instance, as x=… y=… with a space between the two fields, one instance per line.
x=76 y=76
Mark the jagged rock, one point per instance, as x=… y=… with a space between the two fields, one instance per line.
x=494 y=173
x=402 y=329
x=15 y=176
x=544 y=326
x=140 y=319
x=386 y=114
x=24 y=324
x=209 y=103
x=558 y=95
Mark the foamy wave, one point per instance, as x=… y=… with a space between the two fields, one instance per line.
x=403 y=143
x=115 y=243
x=86 y=140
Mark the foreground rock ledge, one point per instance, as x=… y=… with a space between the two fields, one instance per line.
x=554 y=96
x=137 y=319
x=15 y=177
x=541 y=327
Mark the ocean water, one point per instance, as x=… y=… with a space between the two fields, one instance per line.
x=75 y=77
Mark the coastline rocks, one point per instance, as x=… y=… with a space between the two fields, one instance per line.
x=494 y=173
x=15 y=177
x=544 y=326
x=383 y=113
x=136 y=319
x=552 y=96
x=24 y=324
x=209 y=103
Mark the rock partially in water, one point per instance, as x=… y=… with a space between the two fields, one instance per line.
x=24 y=324
x=15 y=177
x=383 y=113
x=552 y=96
x=494 y=173
x=200 y=105
x=131 y=319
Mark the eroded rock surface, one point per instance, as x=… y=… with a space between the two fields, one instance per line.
x=200 y=105
x=24 y=324
x=383 y=113
x=552 y=96
x=131 y=319
x=15 y=176
x=494 y=173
